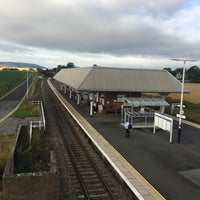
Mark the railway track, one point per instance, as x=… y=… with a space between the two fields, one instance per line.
x=83 y=172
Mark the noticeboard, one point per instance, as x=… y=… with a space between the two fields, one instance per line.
x=163 y=122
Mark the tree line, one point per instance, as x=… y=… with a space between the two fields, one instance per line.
x=52 y=72
x=192 y=74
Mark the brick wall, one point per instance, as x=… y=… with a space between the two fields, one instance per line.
x=30 y=186
x=110 y=104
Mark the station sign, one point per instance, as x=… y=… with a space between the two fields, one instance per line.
x=182 y=116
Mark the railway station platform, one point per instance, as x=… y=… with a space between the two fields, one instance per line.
x=151 y=166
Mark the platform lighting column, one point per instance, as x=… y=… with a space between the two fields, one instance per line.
x=70 y=93
x=181 y=112
x=91 y=108
x=97 y=99
x=122 y=114
x=78 y=98
x=91 y=97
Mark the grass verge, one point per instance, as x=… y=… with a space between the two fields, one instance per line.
x=26 y=108
x=6 y=145
x=191 y=110
x=34 y=157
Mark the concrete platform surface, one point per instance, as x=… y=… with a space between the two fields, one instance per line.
x=172 y=168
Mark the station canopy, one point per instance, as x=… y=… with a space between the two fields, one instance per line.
x=139 y=101
x=105 y=79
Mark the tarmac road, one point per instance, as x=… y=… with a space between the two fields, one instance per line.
x=9 y=102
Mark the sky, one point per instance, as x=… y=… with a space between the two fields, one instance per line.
x=111 y=33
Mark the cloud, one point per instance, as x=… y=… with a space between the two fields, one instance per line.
x=119 y=28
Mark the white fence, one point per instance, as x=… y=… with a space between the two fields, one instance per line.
x=37 y=124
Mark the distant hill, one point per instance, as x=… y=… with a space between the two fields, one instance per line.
x=20 y=64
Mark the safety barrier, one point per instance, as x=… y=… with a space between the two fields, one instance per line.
x=37 y=124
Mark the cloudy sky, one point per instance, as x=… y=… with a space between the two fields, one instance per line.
x=117 y=33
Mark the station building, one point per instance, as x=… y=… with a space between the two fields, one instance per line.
x=107 y=89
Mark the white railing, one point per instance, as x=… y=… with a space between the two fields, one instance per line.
x=37 y=124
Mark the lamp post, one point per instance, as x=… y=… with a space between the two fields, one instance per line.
x=181 y=112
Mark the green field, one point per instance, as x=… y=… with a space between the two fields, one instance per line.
x=193 y=96
x=10 y=79
x=191 y=102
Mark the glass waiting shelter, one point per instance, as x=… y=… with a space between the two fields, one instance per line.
x=140 y=111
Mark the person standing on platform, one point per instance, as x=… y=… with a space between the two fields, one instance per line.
x=126 y=126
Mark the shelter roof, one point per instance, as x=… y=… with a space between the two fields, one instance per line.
x=119 y=79
x=138 y=101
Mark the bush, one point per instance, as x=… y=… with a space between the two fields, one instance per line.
x=35 y=157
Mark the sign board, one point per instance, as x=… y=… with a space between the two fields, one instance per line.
x=163 y=122
x=182 y=116
x=180 y=106
x=173 y=105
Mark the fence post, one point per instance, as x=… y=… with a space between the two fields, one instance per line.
x=30 y=132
